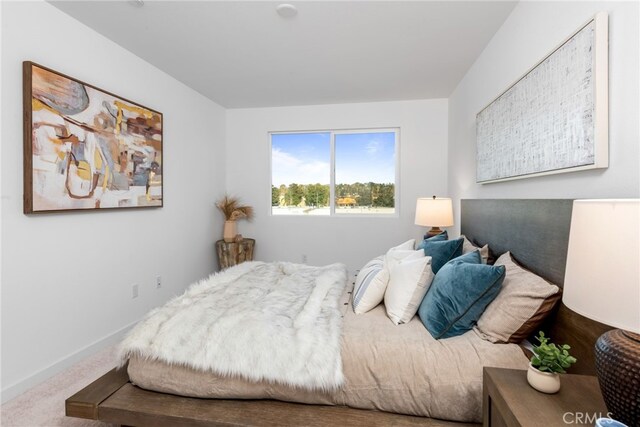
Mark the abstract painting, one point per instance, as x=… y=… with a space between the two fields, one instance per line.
x=553 y=119
x=85 y=148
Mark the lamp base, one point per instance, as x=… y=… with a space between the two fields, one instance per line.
x=618 y=368
x=433 y=232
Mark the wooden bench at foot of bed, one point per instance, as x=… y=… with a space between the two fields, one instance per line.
x=113 y=399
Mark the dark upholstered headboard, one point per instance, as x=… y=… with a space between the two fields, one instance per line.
x=536 y=231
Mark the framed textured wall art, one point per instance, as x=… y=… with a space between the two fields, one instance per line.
x=553 y=119
x=85 y=148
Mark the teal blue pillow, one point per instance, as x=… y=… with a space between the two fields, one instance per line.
x=459 y=294
x=442 y=236
x=436 y=238
x=441 y=252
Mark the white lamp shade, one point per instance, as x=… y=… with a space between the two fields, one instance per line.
x=602 y=279
x=436 y=212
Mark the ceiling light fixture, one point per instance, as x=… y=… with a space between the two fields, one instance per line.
x=287 y=10
x=136 y=3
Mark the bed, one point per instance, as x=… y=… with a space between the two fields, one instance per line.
x=535 y=231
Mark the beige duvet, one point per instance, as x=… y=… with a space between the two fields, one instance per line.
x=387 y=367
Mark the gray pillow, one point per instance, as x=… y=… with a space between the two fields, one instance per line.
x=467 y=247
x=520 y=307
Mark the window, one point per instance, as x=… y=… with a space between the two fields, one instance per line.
x=334 y=172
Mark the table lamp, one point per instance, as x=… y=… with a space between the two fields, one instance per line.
x=434 y=212
x=602 y=282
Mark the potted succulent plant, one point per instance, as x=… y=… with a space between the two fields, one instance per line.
x=232 y=211
x=547 y=363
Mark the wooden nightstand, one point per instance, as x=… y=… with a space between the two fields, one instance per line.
x=509 y=400
x=233 y=253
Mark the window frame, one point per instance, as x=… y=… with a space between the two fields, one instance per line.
x=332 y=171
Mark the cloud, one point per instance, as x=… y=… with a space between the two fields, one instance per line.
x=373 y=147
x=284 y=160
x=287 y=168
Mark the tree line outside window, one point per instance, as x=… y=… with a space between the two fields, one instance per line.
x=368 y=194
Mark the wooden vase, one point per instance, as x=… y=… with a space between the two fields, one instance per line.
x=230 y=231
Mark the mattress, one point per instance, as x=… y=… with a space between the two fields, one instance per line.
x=400 y=369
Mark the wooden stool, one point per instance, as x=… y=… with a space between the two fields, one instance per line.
x=233 y=253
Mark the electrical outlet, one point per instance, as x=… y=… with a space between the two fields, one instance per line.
x=134 y=290
x=304 y=258
x=158 y=282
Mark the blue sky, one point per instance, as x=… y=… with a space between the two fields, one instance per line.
x=304 y=158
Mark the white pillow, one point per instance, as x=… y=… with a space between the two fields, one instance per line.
x=408 y=284
x=370 y=284
x=394 y=257
x=409 y=245
x=373 y=278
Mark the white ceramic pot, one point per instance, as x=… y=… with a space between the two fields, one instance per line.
x=546 y=382
x=230 y=231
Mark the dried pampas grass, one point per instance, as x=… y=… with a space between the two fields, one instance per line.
x=233 y=210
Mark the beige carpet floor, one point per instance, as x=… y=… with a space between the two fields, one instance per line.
x=43 y=405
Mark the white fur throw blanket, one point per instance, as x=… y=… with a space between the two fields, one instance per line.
x=261 y=321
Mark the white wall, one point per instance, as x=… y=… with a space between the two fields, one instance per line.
x=66 y=278
x=423 y=159
x=531 y=31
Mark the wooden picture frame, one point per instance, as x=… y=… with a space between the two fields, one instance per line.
x=86 y=148
x=553 y=119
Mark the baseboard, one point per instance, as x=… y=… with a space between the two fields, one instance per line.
x=23 y=385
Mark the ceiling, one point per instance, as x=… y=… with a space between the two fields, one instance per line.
x=243 y=54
